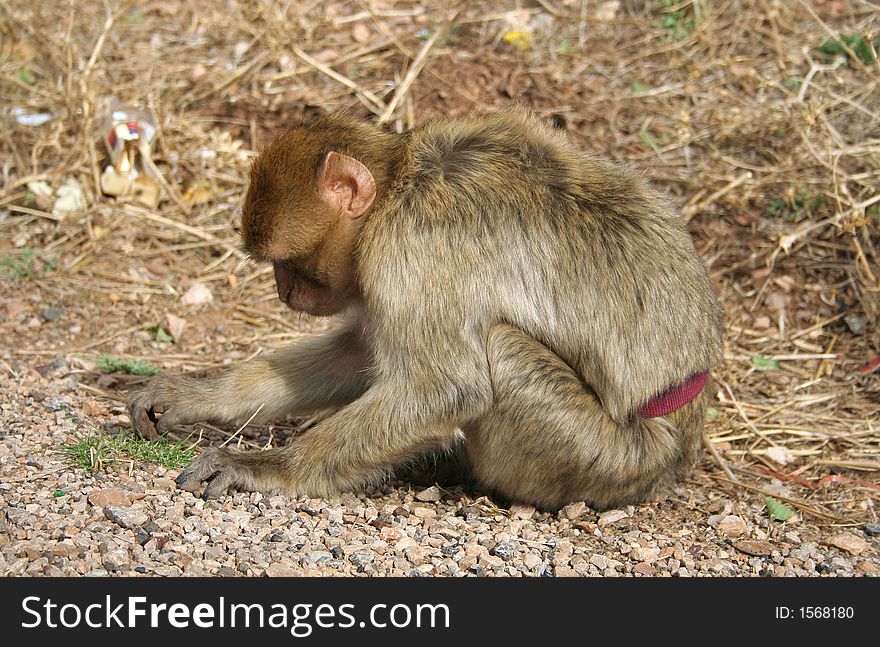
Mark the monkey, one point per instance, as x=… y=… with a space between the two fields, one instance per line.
x=496 y=292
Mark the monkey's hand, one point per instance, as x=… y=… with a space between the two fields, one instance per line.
x=224 y=469
x=165 y=403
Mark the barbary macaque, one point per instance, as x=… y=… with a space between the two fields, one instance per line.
x=500 y=294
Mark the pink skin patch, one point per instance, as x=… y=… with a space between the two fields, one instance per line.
x=676 y=397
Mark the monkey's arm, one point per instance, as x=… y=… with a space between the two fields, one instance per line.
x=321 y=371
x=418 y=409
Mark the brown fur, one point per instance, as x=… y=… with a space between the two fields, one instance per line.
x=504 y=292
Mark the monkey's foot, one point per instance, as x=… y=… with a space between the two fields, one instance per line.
x=222 y=469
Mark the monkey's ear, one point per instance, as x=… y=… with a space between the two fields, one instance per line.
x=346 y=184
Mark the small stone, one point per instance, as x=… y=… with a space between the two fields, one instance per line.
x=281 y=570
x=176 y=326
x=468 y=511
x=599 y=561
x=70 y=198
x=424 y=512
x=850 y=543
x=644 y=568
x=490 y=561
x=521 y=511
x=824 y=568
x=48 y=369
x=856 y=323
x=382 y=521
x=754 y=547
x=586 y=526
x=607 y=11
x=646 y=554
x=871 y=529
x=430 y=495
x=197 y=295
x=506 y=550
x=611 y=516
x=361 y=559
x=390 y=534
x=198 y=72
x=473 y=549
x=781 y=455
x=141 y=536
x=111 y=497
x=51 y=314
x=406 y=542
x=732 y=526
x=573 y=510
x=361 y=33
x=866 y=567
x=715 y=519
x=125 y=517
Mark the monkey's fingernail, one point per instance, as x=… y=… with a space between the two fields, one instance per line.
x=158 y=408
x=184 y=482
x=144 y=425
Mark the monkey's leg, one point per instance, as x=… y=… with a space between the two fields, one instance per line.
x=320 y=371
x=548 y=440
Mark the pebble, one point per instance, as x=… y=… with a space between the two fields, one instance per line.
x=645 y=554
x=755 y=547
x=521 y=511
x=573 y=510
x=125 y=517
x=644 y=568
x=611 y=516
x=850 y=543
x=112 y=497
x=278 y=570
x=732 y=526
x=430 y=495
x=506 y=550
x=872 y=529
x=51 y=314
x=867 y=567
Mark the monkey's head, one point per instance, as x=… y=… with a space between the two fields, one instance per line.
x=309 y=195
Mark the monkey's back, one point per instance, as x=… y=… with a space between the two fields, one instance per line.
x=579 y=253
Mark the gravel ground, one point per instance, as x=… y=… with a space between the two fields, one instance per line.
x=129 y=519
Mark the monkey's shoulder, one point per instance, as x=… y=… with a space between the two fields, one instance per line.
x=486 y=151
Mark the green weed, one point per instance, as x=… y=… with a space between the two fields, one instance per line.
x=94 y=451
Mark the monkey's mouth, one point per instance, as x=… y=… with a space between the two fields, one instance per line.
x=305 y=295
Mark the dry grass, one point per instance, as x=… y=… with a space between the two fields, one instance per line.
x=771 y=149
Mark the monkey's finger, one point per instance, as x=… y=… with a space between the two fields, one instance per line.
x=220 y=484
x=140 y=418
x=205 y=465
x=168 y=421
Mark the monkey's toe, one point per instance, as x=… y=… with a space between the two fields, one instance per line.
x=219 y=468
x=142 y=418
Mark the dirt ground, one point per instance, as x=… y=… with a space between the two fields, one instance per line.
x=761 y=119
